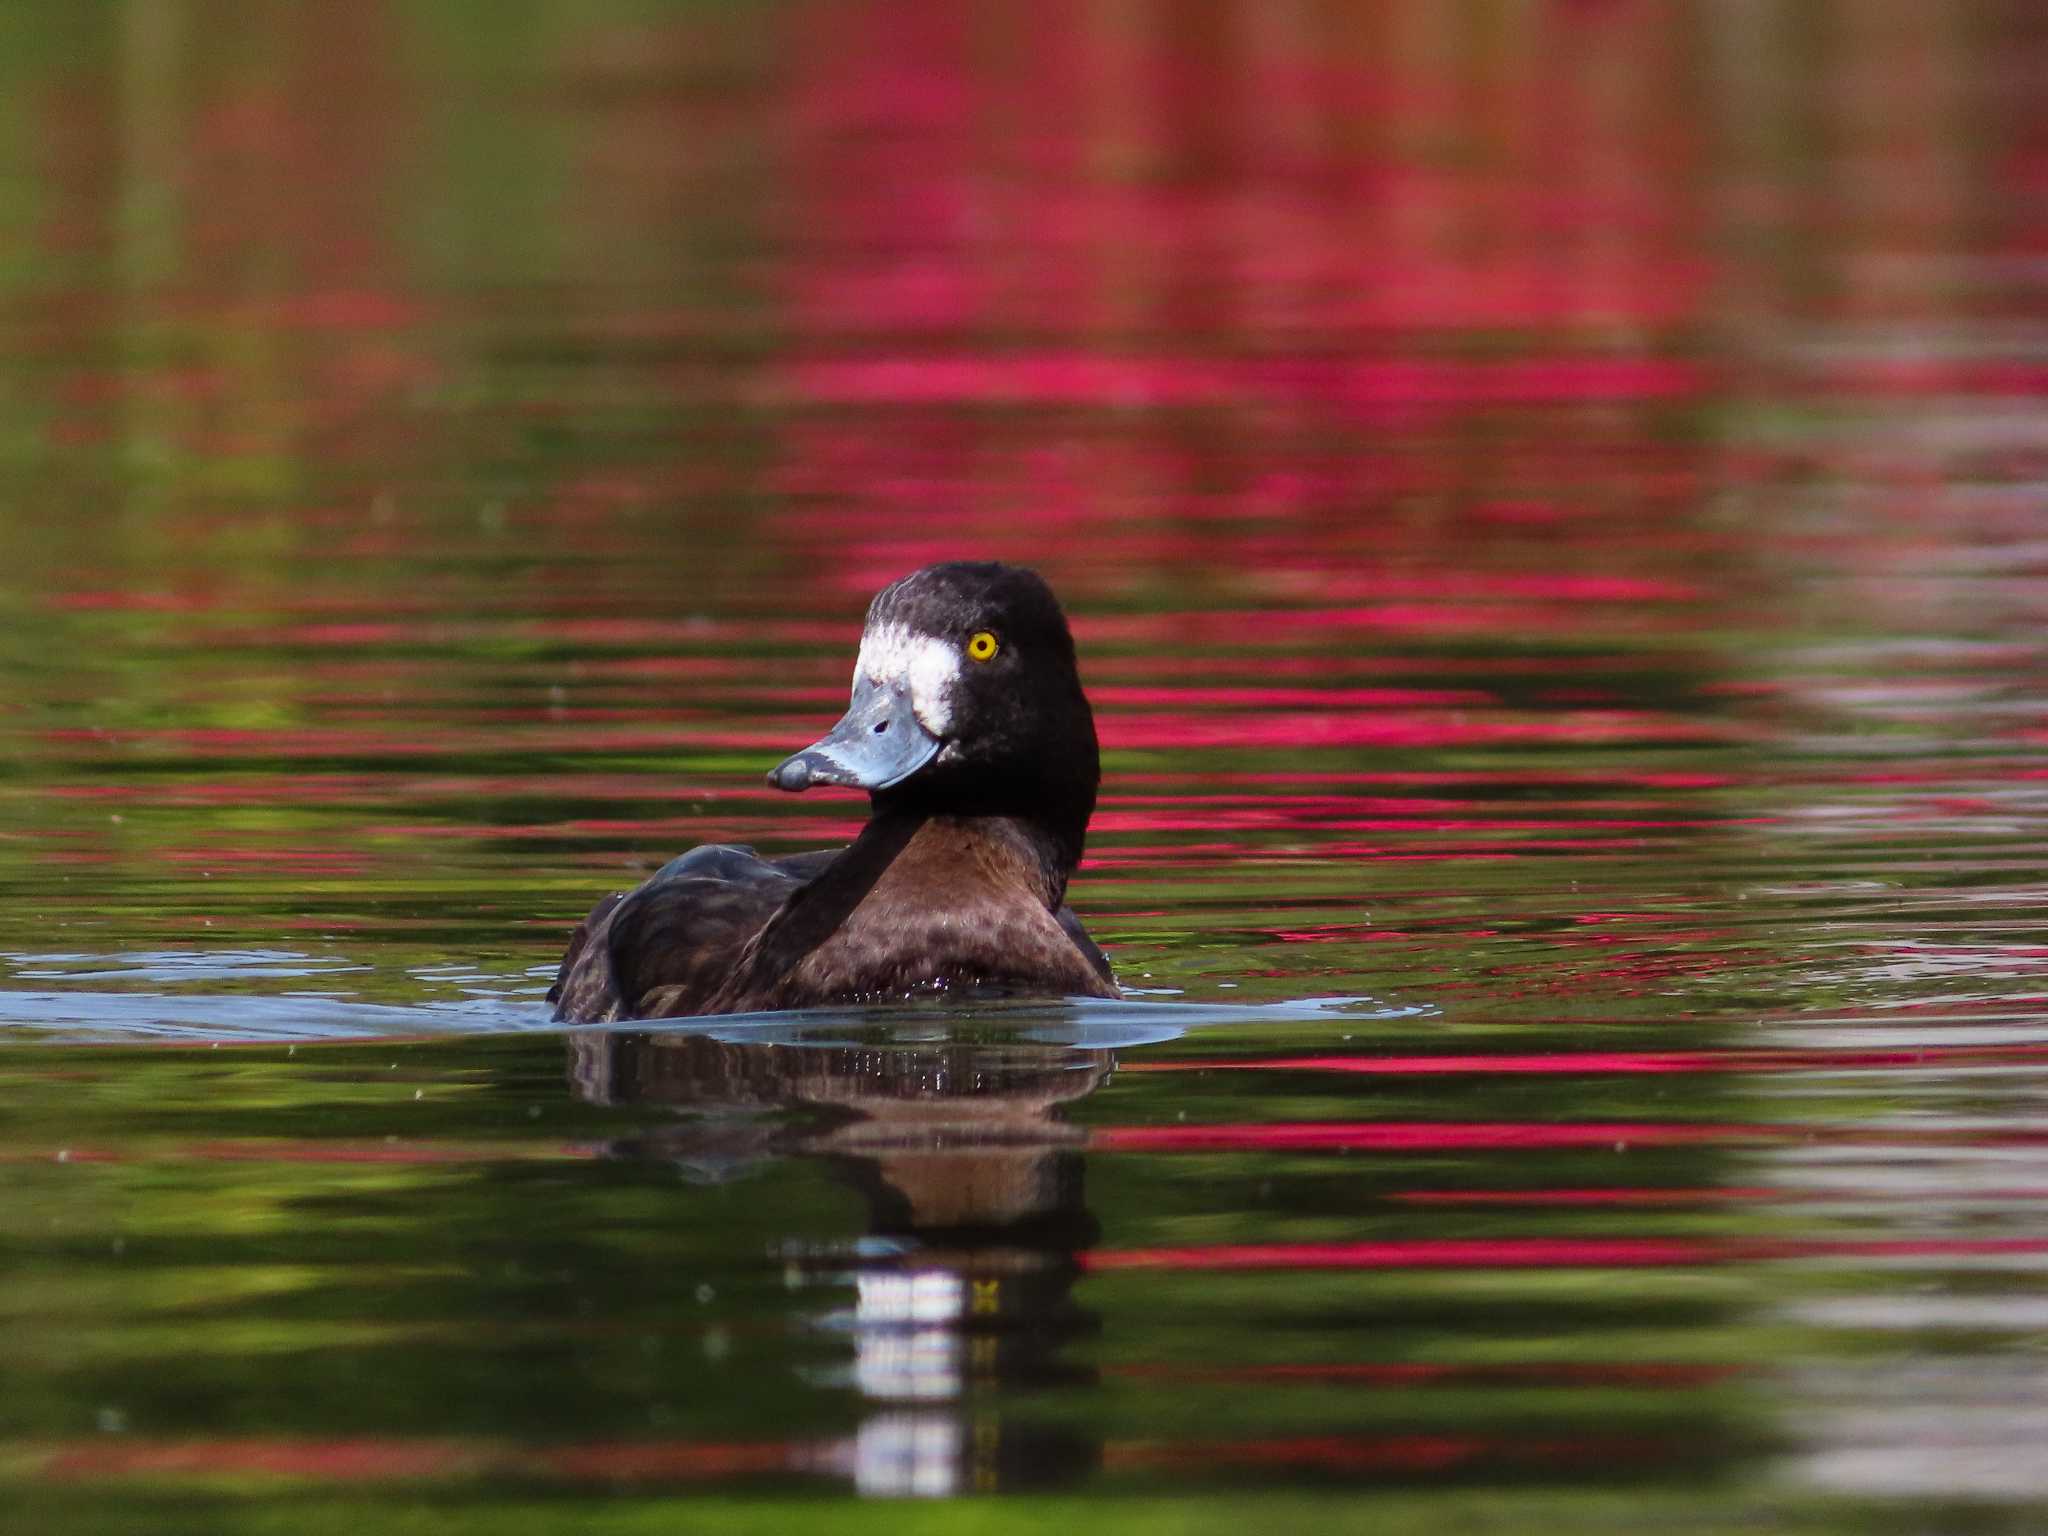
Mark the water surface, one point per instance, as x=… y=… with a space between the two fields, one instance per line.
x=1551 y=502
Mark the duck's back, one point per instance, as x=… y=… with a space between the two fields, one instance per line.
x=666 y=947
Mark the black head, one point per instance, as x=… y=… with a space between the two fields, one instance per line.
x=966 y=699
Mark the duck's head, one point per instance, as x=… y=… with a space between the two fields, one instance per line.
x=965 y=699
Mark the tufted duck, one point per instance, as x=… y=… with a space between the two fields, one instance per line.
x=970 y=732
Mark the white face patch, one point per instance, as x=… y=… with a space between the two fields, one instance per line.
x=892 y=655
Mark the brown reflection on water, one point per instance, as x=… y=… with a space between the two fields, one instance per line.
x=961 y=1288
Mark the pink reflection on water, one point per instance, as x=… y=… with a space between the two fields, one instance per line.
x=1427 y=1136
x=1624 y=1062
x=1306 y=731
x=1398 y=1136
x=1125 y=383
x=1706 y=1196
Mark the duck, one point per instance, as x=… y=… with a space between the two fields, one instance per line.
x=970 y=732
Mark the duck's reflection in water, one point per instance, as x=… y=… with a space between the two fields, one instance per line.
x=962 y=1287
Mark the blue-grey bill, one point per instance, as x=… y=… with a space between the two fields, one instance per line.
x=877 y=745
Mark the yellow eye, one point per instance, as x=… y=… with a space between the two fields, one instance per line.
x=982 y=646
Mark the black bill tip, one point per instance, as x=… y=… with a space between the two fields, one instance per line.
x=795 y=773
x=878 y=744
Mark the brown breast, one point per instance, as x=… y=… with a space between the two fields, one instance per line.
x=966 y=903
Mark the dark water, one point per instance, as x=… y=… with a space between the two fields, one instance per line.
x=1554 y=502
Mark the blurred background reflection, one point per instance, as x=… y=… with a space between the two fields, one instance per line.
x=1551 y=498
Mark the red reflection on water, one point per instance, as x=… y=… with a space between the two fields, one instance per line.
x=397 y=1152
x=1623 y=1062
x=1449 y=778
x=1125 y=382
x=93 y=601
x=1115 y=696
x=1296 y=730
x=1714 y=1195
x=1393 y=1136
x=1197 y=815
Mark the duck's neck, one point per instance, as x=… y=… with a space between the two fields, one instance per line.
x=1047 y=840
x=1014 y=850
